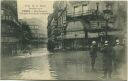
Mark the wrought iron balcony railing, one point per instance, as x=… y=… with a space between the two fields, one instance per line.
x=80 y=13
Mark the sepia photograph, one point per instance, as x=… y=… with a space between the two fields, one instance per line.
x=64 y=40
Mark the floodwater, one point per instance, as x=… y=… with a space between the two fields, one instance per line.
x=61 y=65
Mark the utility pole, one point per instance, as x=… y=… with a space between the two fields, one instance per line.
x=74 y=46
x=85 y=29
x=107 y=17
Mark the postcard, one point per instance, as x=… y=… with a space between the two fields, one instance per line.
x=63 y=40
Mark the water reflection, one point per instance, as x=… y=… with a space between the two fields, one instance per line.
x=34 y=67
x=73 y=66
x=44 y=65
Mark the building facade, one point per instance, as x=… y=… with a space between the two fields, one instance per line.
x=57 y=26
x=75 y=35
x=85 y=21
x=36 y=28
x=10 y=28
x=37 y=37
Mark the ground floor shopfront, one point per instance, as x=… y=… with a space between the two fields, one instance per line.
x=80 y=42
x=10 y=48
x=74 y=43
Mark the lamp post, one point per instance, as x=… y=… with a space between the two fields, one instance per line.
x=75 y=46
x=85 y=28
x=107 y=16
x=74 y=13
x=97 y=6
x=74 y=24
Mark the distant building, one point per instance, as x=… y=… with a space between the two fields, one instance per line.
x=36 y=29
x=10 y=28
x=57 y=26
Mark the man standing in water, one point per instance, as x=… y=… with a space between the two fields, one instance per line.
x=108 y=57
x=93 y=54
x=29 y=48
x=119 y=55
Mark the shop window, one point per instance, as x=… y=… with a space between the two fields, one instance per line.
x=85 y=9
x=9 y=17
x=34 y=27
x=2 y=17
x=2 y=12
x=6 y=17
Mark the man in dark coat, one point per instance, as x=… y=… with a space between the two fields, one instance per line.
x=119 y=54
x=108 y=57
x=93 y=54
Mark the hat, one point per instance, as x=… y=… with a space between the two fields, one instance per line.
x=106 y=42
x=93 y=42
x=117 y=41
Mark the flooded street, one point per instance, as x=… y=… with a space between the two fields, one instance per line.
x=44 y=65
x=64 y=40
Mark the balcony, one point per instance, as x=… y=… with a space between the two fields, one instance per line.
x=97 y=24
x=80 y=13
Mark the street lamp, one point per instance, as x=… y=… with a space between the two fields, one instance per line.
x=74 y=12
x=75 y=41
x=97 y=6
x=107 y=16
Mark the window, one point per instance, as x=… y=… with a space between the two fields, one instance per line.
x=59 y=21
x=2 y=12
x=85 y=9
x=35 y=27
x=32 y=27
x=3 y=17
x=7 y=17
x=76 y=9
x=64 y=19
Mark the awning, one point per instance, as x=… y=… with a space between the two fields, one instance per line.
x=9 y=39
x=75 y=25
x=116 y=33
x=92 y=35
x=72 y=36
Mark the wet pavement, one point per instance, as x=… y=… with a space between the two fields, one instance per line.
x=44 y=65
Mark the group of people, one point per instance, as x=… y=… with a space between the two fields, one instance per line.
x=112 y=56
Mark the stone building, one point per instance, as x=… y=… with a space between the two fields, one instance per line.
x=56 y=26
x=75 y=35
x=10 y=28
x=85 y=21
x=36 y=29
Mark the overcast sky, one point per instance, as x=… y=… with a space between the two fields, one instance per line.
x=45 y=6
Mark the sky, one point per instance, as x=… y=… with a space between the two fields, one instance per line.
x=35 y=9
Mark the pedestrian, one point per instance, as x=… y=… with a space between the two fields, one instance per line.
x=93 y=54
x=29 y=48
x=119 y=55
x=108 y=57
